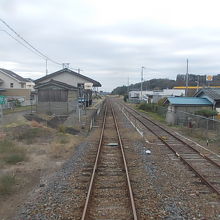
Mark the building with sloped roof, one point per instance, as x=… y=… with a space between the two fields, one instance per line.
x=69 y=77
x=10 y=79
x=74 y=79
x=212 y=94
x=55 y=97
x=178 y=106
x=14 y=88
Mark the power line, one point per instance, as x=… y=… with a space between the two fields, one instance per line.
x=35 y=49
x=22 y=43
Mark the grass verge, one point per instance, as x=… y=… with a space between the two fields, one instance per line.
x=7 y=183
x=10 y=153
x=17 y=109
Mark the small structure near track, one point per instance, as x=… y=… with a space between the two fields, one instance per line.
x=85 y=85
x=178 y=105
x=56 y=97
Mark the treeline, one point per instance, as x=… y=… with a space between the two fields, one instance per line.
x=153 y=84
x=159 y=84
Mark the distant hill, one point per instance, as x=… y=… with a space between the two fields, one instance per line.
x=159 y=84
x=147 y=85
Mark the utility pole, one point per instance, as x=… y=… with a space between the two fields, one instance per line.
x=46 y=68
x=142 y=73
x=128 y=87
x=197 y=83
x=187 y=77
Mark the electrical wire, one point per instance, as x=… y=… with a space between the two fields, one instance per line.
x=22 y=43
x=33 y=48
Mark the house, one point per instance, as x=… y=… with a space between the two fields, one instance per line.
x=30 y=84
x=179 y=106
x=55 y=97
x=74 y=79
x=212 y=94
x=154 y=96
x=13 y=87
x=135 y=95
x=157 y=95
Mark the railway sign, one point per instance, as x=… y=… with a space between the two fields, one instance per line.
x=209 y=78
x=88 y=86
x=2 y=99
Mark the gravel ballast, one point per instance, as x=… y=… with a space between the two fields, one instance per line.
x=163 y=186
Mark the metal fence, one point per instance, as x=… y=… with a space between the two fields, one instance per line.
x=195 y=125
x=199 y=126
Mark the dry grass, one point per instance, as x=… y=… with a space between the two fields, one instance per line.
x=7 y=183
x=63 y=145
x=132 y=135
x=32 y=134
x=36 y=124
x=11 y=153
x=95 y=135
x=151 y=138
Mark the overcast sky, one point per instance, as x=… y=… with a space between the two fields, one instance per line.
x=111 y=39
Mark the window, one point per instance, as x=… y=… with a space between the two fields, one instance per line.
x=11 y=85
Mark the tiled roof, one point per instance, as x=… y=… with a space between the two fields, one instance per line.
x=213 y=93
x=188 y=101
x=95 y=83
x=12 y=74
x=57 y=83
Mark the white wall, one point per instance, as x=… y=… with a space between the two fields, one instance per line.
x=7 y=80
x=30 y=85
x=67 y=78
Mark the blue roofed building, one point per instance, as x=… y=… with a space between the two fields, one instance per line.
x=177 y=106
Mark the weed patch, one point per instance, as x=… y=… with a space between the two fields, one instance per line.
x=64 y=140
x=29 y=135
x=62 y=129
x=7 y=183
x=10 y=153
x=15 y=158
x=6 y=146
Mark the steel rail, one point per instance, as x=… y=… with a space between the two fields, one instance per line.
x=126 y=167
x=177 y=154
x=94 y=168
x=183 y=142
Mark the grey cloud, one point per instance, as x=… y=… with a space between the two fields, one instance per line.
x=59 y=33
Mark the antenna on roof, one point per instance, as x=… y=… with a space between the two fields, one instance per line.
x=66 y=65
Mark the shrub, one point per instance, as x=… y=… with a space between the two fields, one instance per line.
x=148 y=107
x=62 y=129
x=206 y=113
x=64 y=140
x=6 y=146
x=10 y=153
x=6 y=184
x=30 y=134
x=15 y=158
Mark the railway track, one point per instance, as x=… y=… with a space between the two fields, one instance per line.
x=206 y=168
x=110 y=194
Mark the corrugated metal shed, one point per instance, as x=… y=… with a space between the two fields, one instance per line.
x=188 y=101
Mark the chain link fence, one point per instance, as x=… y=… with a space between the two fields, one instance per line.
x=199 y=126
x=195 y=125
